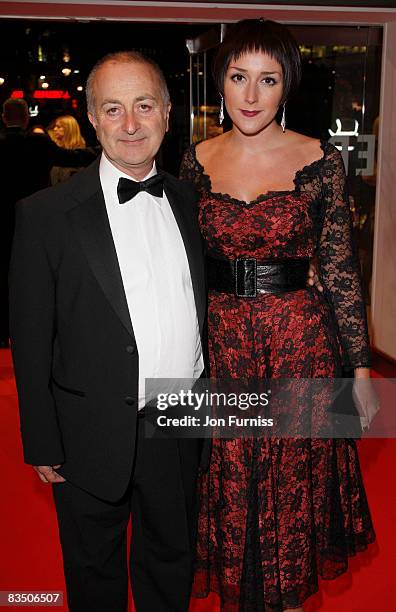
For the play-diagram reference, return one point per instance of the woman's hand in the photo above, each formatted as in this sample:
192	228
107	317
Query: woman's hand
365	397
313	278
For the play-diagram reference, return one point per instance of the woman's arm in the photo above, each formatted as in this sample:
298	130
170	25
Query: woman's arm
339	267
340	274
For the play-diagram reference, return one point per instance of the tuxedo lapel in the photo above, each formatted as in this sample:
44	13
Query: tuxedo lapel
182	211
91	224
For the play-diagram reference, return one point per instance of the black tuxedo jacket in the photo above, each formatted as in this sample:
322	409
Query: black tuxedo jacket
75	355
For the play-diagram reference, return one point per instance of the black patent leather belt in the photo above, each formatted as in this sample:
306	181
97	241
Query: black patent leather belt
247	277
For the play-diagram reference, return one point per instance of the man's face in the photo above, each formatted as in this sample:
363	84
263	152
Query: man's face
131	117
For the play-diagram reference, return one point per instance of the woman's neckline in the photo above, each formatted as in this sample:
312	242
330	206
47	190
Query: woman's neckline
268	194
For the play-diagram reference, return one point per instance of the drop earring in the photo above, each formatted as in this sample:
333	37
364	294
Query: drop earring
283	120
221	111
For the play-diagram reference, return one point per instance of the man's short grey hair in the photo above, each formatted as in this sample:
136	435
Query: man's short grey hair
124	57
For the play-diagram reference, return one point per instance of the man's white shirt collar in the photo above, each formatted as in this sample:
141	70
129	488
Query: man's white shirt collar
110	175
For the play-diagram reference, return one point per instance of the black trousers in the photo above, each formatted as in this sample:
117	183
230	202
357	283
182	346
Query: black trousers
162	500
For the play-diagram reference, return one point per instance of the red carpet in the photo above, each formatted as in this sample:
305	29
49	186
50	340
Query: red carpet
30	552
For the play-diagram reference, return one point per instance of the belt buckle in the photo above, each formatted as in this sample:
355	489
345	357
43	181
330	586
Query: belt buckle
246	277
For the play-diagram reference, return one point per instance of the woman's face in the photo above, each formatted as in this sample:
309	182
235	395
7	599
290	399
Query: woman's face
253	88
59	131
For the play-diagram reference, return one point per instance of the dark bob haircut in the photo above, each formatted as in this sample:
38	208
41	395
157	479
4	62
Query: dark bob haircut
270	37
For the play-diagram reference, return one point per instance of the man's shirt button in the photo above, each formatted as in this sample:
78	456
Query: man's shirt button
130	349
129	400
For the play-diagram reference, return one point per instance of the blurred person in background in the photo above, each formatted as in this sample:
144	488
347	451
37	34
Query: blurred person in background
65	132
26	159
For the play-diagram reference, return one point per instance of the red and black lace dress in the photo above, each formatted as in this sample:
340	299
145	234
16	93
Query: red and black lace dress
277	513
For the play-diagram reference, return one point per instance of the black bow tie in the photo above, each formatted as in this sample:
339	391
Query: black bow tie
127	189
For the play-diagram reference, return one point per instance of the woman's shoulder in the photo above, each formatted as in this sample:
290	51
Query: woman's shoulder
304	146
206	149
314	151
192	168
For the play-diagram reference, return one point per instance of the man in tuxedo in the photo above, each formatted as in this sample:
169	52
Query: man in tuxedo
25	163
107	289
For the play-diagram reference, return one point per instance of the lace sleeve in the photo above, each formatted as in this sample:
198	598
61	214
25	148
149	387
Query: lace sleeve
339	264
191	170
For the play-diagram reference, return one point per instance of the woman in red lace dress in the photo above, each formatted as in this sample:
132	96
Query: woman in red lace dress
276	513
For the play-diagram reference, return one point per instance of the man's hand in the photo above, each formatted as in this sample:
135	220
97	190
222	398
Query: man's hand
313	278
47	473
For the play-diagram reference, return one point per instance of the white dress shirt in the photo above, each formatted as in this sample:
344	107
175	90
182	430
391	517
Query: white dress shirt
157	282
